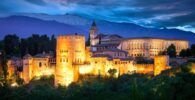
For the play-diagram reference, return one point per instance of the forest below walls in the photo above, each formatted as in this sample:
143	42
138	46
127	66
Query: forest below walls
173	84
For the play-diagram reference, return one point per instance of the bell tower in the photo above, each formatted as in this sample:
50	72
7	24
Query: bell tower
93	33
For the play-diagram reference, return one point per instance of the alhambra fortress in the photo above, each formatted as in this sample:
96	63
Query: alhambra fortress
106	51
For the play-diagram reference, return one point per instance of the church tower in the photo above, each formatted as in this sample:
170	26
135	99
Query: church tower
93	33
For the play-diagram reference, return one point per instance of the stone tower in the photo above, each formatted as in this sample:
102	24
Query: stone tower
27	68
160	63
70	51
93	33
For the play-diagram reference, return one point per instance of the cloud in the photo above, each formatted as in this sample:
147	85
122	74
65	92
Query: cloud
37	2
149	13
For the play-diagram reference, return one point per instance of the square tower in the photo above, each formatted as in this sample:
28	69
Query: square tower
70	51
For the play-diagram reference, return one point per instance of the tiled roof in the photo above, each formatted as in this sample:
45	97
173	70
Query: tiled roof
153	38
103	45
100	36
113	36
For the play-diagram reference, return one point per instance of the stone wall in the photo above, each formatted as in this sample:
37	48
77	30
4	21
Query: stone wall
70	50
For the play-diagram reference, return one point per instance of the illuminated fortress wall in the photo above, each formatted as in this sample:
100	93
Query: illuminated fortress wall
101	66
144	68
74	59
161	63
13	65
41	67
34	67
10	69
27	68
70	51
150	47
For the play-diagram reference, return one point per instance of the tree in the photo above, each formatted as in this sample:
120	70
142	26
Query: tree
4	66
24	47
88	41
171	51
53	43
188	52
12	45
112	72
136	95
182	53
193	50
185	53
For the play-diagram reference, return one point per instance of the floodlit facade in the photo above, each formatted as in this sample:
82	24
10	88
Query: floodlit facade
150	47
70	51
105	52
74	59
37	66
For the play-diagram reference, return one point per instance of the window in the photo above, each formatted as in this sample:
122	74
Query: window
40	64
116	62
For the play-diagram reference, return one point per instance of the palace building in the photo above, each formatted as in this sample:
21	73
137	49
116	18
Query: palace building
150	47
74	58
136	47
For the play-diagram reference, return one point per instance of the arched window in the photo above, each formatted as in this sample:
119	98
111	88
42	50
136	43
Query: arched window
40	64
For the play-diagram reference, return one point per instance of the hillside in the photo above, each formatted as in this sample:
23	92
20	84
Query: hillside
26	25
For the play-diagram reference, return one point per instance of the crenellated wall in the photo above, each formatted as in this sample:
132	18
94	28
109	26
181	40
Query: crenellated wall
36	67
144	68
74	59
27	69
70	50
161	63
101	65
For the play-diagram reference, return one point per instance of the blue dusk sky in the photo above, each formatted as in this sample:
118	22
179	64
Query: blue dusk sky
178	14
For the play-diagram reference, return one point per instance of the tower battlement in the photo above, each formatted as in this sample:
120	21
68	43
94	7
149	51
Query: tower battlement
70	50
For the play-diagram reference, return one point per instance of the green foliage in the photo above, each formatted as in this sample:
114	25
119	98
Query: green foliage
4	66
171	51
185	53
193	50
165	86
11	45
88	41
182	53
112	72
14	46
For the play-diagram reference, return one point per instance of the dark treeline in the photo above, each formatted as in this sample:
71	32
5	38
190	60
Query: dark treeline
12	45
171	51
188	52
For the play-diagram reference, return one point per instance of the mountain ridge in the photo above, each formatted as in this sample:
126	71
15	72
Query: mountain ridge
24	26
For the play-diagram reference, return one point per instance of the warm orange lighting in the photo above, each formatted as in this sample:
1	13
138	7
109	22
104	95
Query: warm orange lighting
74	59
193	68
14	84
